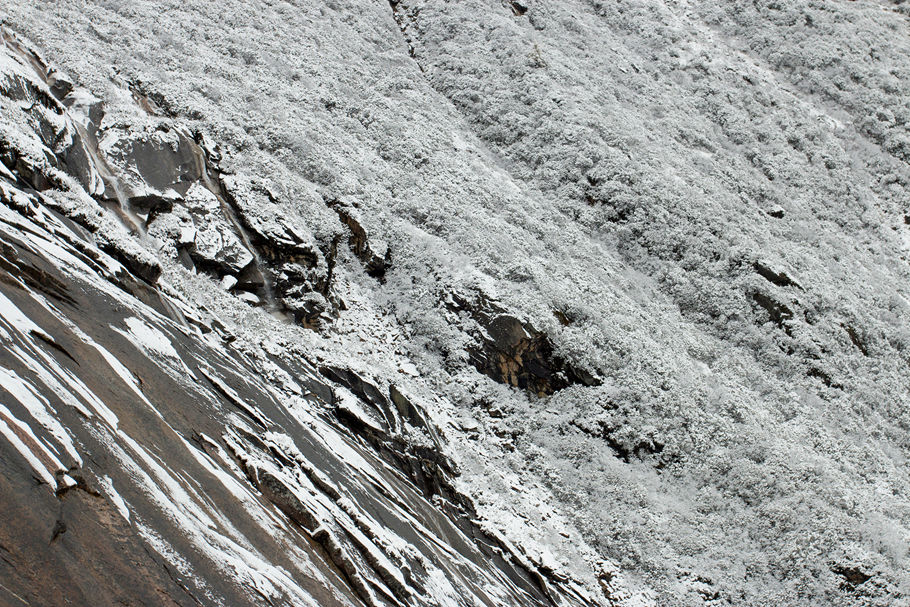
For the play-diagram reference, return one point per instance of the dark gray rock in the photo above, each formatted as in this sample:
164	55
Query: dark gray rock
512	352
374	254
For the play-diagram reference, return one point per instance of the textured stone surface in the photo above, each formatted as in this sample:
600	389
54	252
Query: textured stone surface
648	288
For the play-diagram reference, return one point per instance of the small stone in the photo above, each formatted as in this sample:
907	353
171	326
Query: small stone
228	282
187	235
250	298
408	369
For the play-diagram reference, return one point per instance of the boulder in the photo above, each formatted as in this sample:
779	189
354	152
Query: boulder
216	245
513	352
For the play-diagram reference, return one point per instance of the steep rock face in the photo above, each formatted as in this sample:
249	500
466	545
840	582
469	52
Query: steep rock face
151	457
155	167
113	382
691	217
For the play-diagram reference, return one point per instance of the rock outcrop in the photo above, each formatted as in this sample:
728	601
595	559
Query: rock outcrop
151	457
376	256
514	353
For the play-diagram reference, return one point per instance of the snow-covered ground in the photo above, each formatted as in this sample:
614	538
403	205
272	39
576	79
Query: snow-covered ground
694	216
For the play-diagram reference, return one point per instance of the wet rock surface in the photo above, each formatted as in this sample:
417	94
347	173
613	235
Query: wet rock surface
700	204
147	460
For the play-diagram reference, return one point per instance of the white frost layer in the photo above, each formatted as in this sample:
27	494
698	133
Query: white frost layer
156	345
108	485
38	457
39	409
222	545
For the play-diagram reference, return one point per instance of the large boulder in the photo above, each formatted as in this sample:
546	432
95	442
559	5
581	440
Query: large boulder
216	245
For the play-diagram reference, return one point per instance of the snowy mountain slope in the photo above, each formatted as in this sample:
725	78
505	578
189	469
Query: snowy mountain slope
153	456
644	264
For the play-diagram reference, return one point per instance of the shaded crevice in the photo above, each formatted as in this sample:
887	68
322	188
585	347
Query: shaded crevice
433	473
856	339
779	313
781	279
624	451
513	352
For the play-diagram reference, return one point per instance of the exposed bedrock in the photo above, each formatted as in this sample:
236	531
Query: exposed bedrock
326	466
161	178
513	352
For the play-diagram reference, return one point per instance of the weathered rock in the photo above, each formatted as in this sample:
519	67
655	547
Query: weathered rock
216	245
366	391
513	352
374	254
309	308
518	357
155	165
300	267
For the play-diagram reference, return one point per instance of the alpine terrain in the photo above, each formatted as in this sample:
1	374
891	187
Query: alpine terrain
481	303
